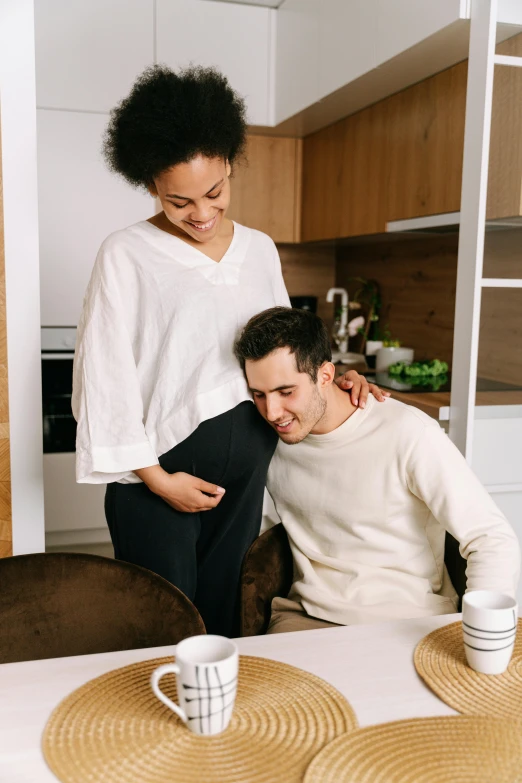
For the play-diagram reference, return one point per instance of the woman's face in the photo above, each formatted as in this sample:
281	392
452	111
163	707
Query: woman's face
195	196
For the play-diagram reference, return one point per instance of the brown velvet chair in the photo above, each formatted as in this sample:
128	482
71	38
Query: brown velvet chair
268	570
61	604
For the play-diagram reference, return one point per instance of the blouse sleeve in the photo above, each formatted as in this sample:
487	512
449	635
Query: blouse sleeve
106	401
280	293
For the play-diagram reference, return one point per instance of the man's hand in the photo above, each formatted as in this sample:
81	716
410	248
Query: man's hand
359	388
181	490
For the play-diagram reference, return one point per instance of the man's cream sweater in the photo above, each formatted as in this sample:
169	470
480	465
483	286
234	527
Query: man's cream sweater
366	508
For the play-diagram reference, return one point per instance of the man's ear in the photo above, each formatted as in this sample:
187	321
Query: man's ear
326	374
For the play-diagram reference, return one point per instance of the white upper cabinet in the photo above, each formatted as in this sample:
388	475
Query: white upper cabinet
80	203
403	23
346	42
297	57
88	53
326	46
234	38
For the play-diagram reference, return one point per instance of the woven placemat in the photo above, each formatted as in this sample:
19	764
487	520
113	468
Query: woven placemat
114	730
441	662
460	749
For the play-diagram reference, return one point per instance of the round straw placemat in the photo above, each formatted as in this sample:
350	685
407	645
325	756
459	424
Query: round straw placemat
460	749
114	730
441	662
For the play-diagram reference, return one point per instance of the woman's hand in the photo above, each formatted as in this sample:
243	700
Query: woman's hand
359	388
181	490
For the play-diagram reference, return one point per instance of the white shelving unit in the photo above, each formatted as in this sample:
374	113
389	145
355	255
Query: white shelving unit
482	60
488	436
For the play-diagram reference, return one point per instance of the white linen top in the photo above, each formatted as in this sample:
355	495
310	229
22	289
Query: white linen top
154	355
366	508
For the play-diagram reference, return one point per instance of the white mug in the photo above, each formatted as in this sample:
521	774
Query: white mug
489	627
206	676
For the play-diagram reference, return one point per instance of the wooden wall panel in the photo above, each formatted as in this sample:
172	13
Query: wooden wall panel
500	346
418	281
6	537
309	270
266	187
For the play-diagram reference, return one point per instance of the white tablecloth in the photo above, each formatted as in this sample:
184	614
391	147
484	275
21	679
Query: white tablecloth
372	665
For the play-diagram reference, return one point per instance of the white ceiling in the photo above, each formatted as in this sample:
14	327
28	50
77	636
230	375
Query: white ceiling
266	3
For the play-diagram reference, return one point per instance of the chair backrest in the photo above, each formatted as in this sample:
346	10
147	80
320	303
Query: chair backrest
61	604
268	572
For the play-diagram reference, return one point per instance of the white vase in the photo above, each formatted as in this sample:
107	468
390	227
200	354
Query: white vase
388	356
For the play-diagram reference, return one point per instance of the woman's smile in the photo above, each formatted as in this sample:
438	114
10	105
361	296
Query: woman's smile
203	226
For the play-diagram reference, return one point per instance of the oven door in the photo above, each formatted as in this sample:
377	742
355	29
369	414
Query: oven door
59	426
74	513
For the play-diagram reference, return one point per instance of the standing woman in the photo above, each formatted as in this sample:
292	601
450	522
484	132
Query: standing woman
164	414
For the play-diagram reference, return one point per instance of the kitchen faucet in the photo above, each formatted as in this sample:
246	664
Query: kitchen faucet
341	333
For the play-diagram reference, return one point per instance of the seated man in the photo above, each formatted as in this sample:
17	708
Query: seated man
365	495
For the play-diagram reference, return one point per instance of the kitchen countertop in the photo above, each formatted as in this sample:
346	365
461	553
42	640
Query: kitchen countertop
436	404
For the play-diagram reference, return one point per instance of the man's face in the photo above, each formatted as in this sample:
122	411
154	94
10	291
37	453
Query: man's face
289	400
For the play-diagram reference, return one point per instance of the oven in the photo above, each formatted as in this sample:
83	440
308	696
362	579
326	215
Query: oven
74	515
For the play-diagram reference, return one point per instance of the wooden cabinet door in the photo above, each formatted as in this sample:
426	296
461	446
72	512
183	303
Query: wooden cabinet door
400	158
425	139
266	187
345	177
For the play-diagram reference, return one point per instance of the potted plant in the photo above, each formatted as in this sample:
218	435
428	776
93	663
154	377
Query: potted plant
368	295
391	352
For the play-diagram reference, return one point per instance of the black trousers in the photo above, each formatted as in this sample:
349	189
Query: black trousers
200	553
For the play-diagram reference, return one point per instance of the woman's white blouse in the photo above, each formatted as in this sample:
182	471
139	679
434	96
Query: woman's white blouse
154	355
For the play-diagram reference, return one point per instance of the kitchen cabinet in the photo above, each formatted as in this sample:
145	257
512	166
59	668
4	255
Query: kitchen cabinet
346	42
266	187
402	24
297	57
323	47
80	202
234	38
344	176
402	157
424	146
88	54
505	162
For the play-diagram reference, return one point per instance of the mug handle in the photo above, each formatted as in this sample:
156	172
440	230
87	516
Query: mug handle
156	676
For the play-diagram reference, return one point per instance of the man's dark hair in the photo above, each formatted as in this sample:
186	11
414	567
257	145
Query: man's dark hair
283	327
169	118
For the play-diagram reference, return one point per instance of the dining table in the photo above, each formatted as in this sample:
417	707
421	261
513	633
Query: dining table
371	665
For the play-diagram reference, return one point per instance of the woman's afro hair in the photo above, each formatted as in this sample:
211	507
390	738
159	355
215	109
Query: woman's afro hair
169	118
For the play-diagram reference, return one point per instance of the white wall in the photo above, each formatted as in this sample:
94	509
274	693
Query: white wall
18	124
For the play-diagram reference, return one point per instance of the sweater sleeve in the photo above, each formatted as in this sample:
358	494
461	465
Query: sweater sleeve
111	440
438	474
